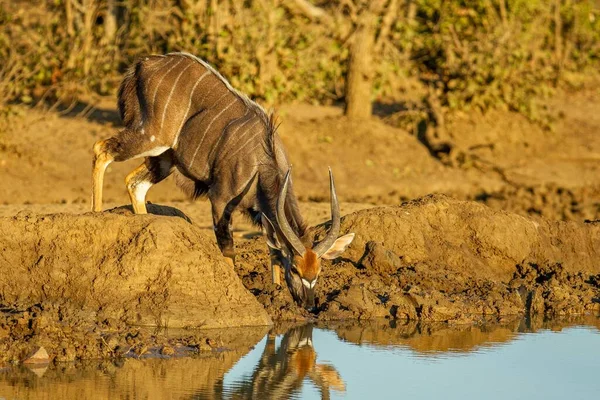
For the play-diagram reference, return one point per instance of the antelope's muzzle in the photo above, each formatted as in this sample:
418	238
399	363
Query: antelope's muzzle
309	299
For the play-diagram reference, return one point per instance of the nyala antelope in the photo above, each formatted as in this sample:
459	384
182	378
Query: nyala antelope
182	116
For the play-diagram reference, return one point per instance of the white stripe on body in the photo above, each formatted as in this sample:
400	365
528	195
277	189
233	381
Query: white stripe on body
209	67
230	155
161	79
188	108
208	127
214	147
162	121
201	101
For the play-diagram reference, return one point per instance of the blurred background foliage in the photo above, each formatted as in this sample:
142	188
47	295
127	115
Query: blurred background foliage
465	54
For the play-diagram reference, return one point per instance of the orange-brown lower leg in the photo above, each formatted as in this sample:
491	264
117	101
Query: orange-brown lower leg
275	267
276	274
138	182
101	161
141	179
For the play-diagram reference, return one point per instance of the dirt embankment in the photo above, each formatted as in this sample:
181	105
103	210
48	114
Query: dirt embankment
145	270
75	284
439	259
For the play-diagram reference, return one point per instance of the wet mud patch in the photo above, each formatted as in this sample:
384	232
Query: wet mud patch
68	334
440	259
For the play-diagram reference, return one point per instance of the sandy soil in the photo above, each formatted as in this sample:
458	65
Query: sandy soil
45	158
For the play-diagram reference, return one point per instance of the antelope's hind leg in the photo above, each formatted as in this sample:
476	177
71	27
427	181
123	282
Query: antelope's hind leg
140	180
102	158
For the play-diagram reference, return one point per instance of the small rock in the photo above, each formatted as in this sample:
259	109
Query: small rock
167	351
39	356
379	259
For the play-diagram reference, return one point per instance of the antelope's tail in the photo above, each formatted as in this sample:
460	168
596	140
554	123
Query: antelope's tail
192	188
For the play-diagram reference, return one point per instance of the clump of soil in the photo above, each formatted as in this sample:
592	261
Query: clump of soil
439	259
145	269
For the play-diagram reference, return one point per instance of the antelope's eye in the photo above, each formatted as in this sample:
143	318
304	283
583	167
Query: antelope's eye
295	270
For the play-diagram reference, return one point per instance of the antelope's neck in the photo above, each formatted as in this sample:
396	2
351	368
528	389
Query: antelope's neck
268	192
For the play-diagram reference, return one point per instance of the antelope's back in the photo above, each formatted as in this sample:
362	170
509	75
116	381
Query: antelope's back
180	102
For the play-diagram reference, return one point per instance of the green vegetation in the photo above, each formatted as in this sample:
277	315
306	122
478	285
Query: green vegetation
468	54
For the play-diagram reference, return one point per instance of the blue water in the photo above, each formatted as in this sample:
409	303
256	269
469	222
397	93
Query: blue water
541	365
369	361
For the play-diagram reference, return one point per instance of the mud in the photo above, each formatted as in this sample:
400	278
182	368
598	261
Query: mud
440	259
70	334
77	284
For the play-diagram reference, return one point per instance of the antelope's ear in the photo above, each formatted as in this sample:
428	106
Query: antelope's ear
271	236
338	247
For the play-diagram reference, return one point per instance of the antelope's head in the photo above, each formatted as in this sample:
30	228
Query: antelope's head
302	264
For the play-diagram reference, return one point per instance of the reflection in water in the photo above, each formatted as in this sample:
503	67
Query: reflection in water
362	360
427	338
281	371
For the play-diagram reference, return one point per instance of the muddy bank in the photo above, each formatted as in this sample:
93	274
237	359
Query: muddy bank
153	378
67	333
143	270
440	259
76	284
549	201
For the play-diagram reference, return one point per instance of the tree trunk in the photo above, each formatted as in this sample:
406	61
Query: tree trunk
110	22
267	61
558	41
360	74
88	35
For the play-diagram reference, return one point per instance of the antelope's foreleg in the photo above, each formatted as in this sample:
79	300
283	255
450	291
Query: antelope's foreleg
141	179
223	229
102	158
275	266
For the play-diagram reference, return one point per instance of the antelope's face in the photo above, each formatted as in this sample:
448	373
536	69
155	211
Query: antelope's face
302	265
302	278
303	272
